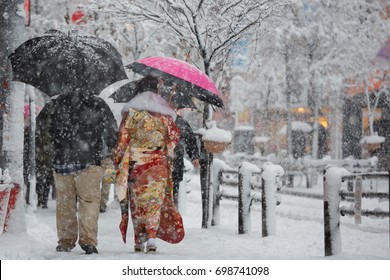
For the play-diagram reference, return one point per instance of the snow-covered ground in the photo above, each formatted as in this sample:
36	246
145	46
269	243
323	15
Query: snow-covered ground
299	236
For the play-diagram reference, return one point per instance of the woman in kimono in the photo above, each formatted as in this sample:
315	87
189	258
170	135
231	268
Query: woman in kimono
147	138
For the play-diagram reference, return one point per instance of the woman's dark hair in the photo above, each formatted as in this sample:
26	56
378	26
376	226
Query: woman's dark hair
148	83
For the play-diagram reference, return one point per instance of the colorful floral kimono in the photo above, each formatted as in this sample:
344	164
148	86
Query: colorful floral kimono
143	160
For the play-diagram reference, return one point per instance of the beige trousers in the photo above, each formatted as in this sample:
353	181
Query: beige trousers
105	192
107	180
83	188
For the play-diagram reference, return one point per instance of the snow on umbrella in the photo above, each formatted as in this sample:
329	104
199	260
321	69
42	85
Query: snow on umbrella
129	90
187	77
59	63
383	56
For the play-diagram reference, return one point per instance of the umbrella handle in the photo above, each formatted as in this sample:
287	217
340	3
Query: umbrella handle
160	85
172	93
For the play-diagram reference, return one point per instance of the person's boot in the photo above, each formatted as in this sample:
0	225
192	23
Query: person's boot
60	248
89	249
43	203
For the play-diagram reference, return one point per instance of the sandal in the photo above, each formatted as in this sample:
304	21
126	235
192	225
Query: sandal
151	249
138	248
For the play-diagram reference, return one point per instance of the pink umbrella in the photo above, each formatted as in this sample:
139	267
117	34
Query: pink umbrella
187	77
383	56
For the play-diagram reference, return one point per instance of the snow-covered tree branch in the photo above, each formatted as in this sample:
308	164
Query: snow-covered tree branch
207	27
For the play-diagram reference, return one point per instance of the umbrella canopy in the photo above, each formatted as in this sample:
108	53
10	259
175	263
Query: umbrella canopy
187	77
383	56
59	63
128	91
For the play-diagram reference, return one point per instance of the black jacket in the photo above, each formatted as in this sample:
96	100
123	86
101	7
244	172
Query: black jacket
82	128
43	140
187	143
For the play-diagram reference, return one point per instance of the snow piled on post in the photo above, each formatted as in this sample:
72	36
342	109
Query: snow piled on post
217	166
332	184
269	174
215	134
245	176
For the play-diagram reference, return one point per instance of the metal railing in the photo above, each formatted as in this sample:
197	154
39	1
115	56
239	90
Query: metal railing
334	194
269	176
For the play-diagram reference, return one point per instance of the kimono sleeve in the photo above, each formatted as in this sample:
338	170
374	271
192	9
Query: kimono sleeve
173	137
122	158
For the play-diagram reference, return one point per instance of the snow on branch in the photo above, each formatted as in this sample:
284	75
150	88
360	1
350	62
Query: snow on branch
208	26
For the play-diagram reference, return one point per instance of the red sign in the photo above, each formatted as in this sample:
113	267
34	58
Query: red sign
27	11
78	17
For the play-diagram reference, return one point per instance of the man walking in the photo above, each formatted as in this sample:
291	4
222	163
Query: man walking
82	126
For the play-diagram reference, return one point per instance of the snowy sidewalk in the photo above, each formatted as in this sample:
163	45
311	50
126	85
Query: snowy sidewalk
299	236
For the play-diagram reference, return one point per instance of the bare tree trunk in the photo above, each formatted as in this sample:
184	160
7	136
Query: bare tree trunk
289	125
288	103
336	123
316	108
315	129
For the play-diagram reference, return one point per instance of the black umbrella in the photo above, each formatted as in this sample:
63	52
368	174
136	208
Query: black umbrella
58	63
129	90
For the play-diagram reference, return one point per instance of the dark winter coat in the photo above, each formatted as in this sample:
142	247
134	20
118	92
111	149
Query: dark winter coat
82	128
44	154
43	140
187	143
